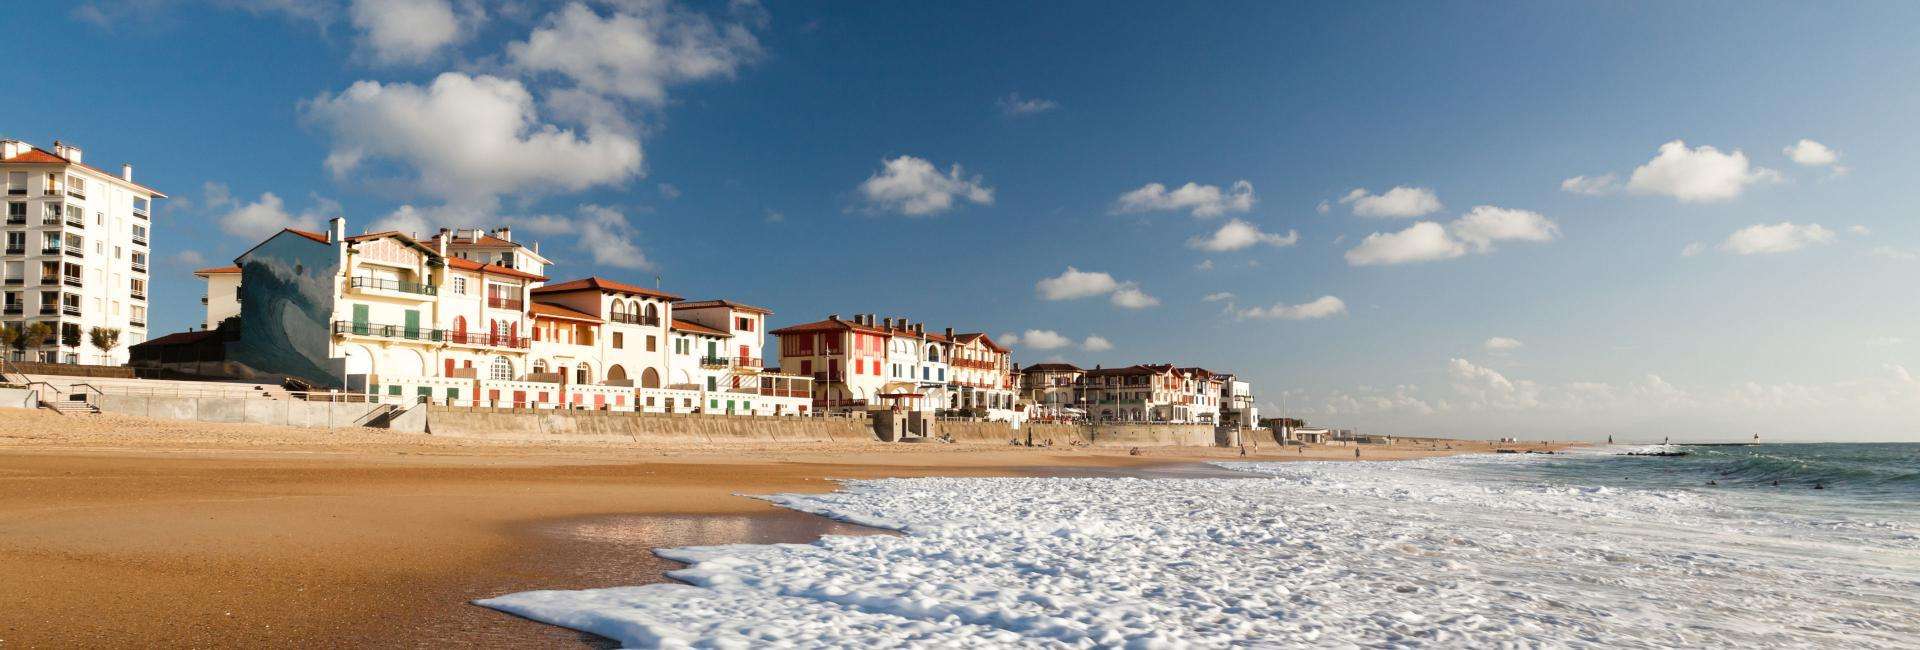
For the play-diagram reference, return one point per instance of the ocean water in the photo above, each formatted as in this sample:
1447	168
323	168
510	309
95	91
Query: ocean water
1589	549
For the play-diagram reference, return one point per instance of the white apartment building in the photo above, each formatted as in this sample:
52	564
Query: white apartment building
77	249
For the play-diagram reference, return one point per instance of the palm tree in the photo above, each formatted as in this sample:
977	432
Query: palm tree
36	336
104	339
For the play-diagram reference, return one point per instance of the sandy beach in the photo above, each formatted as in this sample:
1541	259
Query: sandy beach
120	530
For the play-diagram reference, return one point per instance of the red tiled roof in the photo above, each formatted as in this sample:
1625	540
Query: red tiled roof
1052	367
38	156
177	338
970	336
696	328
216	270
827	325
560	311
309	234
485	240
602	284
1135	369
492	269
696	304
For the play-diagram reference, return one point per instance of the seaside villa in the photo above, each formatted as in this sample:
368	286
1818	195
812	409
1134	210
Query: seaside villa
468	318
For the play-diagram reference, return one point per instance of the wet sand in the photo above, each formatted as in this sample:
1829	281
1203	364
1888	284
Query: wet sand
127	531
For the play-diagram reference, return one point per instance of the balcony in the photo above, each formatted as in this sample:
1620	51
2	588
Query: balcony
137	323
16	281
16	220
140	295
76	193
748	363
715	362
140	212
489	340
70	310
77	220
635	319
398	286
74	251
973	363
498	302
48	310
388	331
71	281
49	250
140	240
139	267
16	250
48	280
13	310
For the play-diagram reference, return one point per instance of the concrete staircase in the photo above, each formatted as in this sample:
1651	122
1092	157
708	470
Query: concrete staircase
71	407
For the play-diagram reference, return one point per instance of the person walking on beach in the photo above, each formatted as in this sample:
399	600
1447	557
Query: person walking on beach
1356	452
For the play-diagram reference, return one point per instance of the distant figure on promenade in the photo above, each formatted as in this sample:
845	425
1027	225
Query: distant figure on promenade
1356	452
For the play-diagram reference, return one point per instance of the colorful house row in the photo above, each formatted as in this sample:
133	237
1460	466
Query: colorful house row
469	317
869	362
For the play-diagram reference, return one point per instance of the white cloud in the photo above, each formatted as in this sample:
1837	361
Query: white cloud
189	258
1591	185
635	52
1502	344
1096	343
406	219
1199	200
1892	253
608	237
1812	154
1130	296
1781	237
1475	232
412	31
1692	249
1217	297
1425	241
1486	224
913	187
1399	202
1322	307
469	139
1008	338
1075	284
775	216
1042	340
1236	234
1697	175
1858	230
1204	265
261	219
1486	388
1014	105
1323	208
669	192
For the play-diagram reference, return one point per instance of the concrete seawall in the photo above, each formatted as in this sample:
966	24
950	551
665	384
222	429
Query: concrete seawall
228	409
603	426
1097	435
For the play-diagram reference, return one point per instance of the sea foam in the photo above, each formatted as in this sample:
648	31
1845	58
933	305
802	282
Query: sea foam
1422	553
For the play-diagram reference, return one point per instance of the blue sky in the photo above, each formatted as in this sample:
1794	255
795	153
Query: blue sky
809	149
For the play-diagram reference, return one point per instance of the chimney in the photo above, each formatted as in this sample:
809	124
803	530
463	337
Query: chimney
920	328
69	152
949	333
505	232
441	242
11	148
475	235
833	317
889	322
336	230
126	172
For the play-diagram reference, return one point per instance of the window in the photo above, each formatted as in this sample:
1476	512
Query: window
619	341
539	366
745	324
49	213
460	285
650	343
500	369
138	315
16	183
16	213
16	243
582	374
50	242
713	384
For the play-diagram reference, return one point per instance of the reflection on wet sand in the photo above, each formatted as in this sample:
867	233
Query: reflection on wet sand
606	551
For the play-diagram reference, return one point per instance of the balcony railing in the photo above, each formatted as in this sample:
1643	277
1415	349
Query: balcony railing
140	212
140	240
13	310
636	319
76	193
141	295
48	309
139	267
16	220
70	310
16	281
50	220
74	251
16	250
49	250
748	362
498	302
70	281
384	330
973	363
715	362
137	323
49	280
77	220
401	286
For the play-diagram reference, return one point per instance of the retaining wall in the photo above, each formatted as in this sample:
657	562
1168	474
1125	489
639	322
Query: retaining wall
996	432
639	427
18	398
1122	435
228	409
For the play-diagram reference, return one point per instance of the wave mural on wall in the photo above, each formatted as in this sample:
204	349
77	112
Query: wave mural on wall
286	305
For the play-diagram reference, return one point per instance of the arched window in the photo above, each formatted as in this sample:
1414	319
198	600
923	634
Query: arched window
933	353
460	328
650	378
619	310
582	374
616	373
539	365
653	313
500	369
